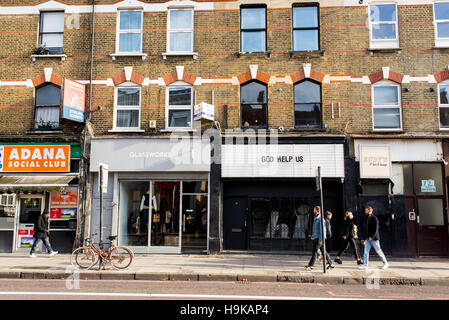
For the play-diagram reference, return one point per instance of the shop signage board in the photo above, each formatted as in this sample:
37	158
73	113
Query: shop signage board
375	162
67	198
35	158
284	161
428	186
74	100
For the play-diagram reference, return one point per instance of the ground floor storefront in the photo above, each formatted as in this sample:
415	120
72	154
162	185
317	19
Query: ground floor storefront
38	177
154	203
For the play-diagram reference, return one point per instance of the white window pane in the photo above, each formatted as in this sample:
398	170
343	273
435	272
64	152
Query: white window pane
181	19
387	118
443	29
130	20
444	117
52	22
47	116
179	118
384	31
128	96
130	42
384	12
442	11
253	18
305	17
127	118
180	96
52	40
253	41
305	40
386	96
181	41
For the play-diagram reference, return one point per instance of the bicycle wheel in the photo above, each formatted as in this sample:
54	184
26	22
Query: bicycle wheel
85	257
121	257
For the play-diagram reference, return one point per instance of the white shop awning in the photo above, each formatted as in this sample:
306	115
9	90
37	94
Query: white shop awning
34	182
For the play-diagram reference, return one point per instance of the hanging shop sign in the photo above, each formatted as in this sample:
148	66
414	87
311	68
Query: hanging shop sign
32	158
203	111
375	162
74	100
275	160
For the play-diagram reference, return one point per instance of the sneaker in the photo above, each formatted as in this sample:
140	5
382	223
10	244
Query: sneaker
338	261
363	267
385	266
308	268
359	262
32	255
331	266
53	253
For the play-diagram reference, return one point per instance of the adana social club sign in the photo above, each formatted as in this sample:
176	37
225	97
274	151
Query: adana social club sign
74	100
33	158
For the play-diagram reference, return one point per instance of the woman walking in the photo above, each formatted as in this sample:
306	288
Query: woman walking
350	237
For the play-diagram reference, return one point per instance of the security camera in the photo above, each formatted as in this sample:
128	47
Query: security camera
281	129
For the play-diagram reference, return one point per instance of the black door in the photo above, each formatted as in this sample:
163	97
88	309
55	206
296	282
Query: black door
235	223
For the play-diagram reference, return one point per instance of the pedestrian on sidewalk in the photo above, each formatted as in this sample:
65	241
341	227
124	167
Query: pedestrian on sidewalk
350	238
318	241
328	216
41	232
372	239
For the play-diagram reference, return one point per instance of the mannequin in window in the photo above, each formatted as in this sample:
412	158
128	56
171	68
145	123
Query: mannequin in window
143	213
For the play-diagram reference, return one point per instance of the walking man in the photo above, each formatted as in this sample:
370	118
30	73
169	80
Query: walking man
318	241
372	239
41	231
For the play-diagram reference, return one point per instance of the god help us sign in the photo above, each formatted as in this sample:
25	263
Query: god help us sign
74	100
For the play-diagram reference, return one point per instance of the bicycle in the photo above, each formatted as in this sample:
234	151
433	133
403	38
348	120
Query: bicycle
87	256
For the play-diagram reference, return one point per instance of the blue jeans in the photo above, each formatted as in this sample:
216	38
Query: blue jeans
46	242
376	245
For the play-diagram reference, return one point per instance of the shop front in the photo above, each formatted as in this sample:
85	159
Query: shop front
270	191
403	180
158	193
34	178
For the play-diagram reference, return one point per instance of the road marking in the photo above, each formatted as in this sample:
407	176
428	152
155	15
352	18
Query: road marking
395	297
162	295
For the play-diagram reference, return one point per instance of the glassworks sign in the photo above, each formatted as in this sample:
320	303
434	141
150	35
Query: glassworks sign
33	158
375	162
283	161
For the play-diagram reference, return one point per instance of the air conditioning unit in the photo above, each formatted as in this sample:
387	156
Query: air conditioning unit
152	124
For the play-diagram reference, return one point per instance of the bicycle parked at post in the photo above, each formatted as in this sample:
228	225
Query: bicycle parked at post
89	255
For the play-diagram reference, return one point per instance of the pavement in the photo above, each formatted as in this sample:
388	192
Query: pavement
233	267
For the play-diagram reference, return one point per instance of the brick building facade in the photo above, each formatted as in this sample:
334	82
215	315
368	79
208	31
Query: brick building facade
358	74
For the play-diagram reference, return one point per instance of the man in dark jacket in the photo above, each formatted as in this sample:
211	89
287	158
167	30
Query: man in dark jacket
372	239
41	230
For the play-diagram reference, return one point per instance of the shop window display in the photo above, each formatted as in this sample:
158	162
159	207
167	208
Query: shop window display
133	213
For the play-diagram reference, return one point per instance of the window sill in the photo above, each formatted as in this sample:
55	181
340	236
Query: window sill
126	130
387	131
314	53
178	130
123	54
169	54
39	56
239	54
40	131
302	129
384	50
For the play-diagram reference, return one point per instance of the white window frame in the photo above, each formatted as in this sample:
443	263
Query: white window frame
128	31
386	83
190	30
128	85
43	12
440	105
439	42
178	85
383	43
